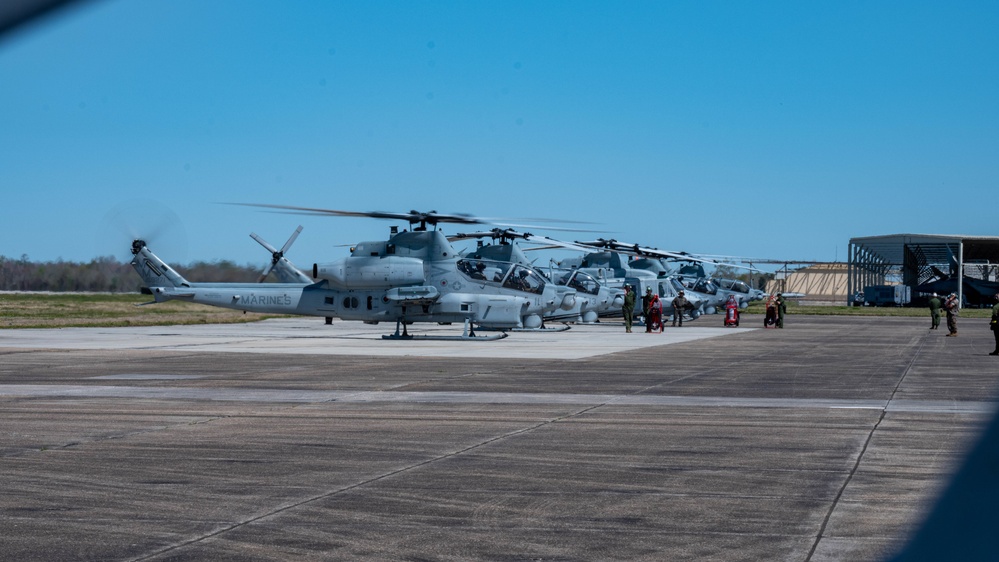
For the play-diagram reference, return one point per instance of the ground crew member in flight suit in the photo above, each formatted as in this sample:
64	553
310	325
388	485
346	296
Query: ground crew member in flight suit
935	304
679	305
781	305
629	307
994	323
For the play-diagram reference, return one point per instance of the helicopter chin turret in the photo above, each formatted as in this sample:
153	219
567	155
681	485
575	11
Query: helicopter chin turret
371	272
567	296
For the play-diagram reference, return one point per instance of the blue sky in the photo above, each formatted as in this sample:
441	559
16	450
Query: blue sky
769	129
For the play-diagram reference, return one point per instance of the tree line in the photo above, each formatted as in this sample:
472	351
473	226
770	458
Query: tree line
107	275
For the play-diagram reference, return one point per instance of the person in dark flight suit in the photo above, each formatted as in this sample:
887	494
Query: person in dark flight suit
935	305
629	307
994	323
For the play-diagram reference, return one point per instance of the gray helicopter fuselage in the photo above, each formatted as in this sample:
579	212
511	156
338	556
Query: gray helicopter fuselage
740	287
616	270
592	298
412	277
713	294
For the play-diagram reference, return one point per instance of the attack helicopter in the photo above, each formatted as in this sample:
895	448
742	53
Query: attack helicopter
605	260
716	291
690	278
414	276
593	298
737	286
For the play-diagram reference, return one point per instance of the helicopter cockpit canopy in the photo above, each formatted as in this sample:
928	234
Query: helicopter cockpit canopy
510	276
705	286
581	281
733	285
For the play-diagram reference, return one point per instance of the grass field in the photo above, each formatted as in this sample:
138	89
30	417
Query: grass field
64	310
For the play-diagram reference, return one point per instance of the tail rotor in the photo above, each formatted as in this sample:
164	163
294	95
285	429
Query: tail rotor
276	255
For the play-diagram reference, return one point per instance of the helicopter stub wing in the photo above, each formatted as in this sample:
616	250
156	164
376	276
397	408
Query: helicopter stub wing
422	294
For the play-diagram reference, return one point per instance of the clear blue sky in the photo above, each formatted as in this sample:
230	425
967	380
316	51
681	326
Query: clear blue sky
774	129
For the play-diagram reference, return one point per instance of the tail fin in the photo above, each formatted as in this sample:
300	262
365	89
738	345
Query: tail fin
154	272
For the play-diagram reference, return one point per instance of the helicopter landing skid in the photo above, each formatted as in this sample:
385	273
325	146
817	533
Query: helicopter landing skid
468	335
493	337
563	328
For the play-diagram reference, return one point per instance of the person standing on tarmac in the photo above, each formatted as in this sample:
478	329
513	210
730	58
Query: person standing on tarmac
655	319
950	305
994	323
679	305
781	305
935	304
629	307
646	302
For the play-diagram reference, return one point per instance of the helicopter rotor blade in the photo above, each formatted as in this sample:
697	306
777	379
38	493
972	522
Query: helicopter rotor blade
505	235
643	251
266	272
291	240
547	242
432	218
141	219
263	243
412	217
276	254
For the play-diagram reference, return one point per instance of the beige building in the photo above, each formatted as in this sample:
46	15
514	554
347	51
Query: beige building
818	283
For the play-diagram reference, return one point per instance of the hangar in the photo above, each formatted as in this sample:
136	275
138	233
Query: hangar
967	265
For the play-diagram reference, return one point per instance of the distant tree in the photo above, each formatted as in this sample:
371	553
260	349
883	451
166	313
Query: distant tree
756	279
106	274
725	271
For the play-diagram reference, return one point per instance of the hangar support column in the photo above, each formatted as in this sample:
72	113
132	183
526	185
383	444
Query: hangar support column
960	274
864	268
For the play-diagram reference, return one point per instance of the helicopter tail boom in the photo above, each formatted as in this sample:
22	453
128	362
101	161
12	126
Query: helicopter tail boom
154	271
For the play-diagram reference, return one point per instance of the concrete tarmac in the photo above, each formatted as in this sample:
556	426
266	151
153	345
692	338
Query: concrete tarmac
290	439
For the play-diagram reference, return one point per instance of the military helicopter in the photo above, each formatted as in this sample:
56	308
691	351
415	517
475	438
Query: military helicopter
716	291
737	286
606	261
593	298
690	278
414	276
